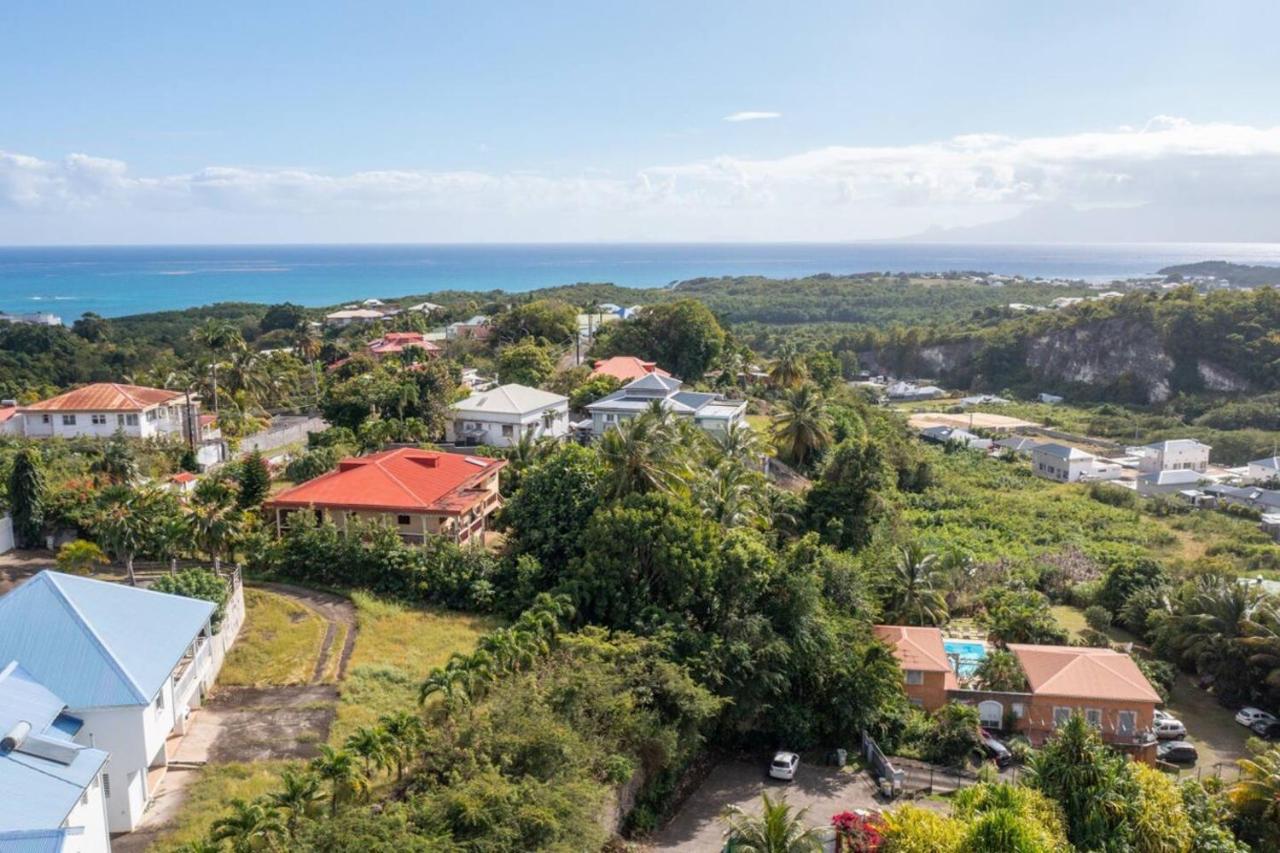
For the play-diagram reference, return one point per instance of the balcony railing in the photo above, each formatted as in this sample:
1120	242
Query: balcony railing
189	669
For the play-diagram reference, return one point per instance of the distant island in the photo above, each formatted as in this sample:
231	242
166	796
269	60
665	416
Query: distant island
1242	275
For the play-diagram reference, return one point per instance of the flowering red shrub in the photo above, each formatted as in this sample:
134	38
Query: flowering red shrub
857	833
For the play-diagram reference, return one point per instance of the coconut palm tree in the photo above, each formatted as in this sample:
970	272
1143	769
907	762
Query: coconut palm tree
405	733
170	534
123	525
338	769
214	518
1209	626
219	337
298	798
1257	793
740	443
789	369
251	826
777	829
801	426
369	744
915	588
729	496
642	455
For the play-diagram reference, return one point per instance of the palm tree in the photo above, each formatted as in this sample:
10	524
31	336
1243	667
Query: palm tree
405	733
251	826
915	596
218	336
170	534
802	427
338	768
1257	793
123	524
642	455
246	371
729	495
740	443
213	518
775	830
369	744
116	462
1208	630
299	798
789	369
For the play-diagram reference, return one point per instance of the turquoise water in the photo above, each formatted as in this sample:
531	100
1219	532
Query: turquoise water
966	654
115	281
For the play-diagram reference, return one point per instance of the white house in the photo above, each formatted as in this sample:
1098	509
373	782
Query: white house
38	318
10	423
910	391
51	794
1062	463
1168	481
105	408
711	412
1182	454
1051	399
500	416
476	327
348	316
130	665
1262	470
947	435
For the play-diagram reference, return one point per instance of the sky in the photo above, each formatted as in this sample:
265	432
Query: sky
657	121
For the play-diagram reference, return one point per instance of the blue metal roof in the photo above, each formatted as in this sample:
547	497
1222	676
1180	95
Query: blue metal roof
32	841
95	643
36	792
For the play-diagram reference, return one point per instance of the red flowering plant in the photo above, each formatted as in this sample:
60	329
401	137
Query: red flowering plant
857	833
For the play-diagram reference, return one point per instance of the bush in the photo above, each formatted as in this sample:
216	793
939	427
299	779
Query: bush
203	584
312	463
1097	617
955	735
1113	495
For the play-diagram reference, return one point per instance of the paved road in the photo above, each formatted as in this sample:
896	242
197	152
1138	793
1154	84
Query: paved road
824	791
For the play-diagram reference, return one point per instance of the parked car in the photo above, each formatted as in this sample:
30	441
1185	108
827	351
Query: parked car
1249	716
1169	729
784	766
995	749
1268	729
1178	751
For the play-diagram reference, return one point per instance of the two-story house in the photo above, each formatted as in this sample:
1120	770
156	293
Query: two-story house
419	492
129	663
105	408
1062	463
711	412
1181	454
50	786
499	416
926	671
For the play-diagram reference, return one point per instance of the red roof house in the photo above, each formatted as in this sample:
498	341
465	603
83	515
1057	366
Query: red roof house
398	342
626	368
420	492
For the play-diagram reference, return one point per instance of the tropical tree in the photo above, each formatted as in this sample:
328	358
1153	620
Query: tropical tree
740	443
171	533
1256	795
789	368
776	829
1000	671
1208	628
915	595
730	494
27	496
641	455
297	799
78	557
219	337
116	462
123	524
254	479
214	518
339	770
801	426
405	733
369	744
251	826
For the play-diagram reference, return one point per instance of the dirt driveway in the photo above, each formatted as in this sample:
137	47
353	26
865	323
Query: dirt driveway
1218	738
824	791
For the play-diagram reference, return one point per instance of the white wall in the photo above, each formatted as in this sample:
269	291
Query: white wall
121	733
490	426
90	819
6	534
169	421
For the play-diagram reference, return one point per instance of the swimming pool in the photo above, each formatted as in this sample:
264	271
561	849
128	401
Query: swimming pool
965	655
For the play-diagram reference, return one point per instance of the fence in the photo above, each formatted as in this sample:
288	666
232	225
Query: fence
285	429
6	534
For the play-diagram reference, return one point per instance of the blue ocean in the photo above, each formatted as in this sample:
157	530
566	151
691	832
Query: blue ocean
116	281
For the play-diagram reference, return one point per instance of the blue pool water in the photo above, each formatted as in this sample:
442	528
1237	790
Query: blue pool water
965	655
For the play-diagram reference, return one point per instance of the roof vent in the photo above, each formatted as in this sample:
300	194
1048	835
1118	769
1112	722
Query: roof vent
348	464
15	737
427	460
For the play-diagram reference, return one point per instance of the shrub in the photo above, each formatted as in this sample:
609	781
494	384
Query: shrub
1113	495
203	584
1097	617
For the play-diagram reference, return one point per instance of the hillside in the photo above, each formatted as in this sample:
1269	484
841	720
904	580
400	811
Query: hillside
1242	275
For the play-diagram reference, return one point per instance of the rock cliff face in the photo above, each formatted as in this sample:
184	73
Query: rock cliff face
1103	354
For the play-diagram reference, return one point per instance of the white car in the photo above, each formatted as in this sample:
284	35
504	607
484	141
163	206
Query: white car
1249	716
1170	729
784	766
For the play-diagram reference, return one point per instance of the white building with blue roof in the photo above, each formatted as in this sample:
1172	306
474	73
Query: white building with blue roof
51	798
130	663
711	412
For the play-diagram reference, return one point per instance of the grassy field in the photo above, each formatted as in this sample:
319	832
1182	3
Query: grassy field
1072	619
279	644
207	798
396	646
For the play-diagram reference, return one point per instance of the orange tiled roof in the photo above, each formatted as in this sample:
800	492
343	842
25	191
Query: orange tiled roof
400	341
183	477
918	648
7	412
404	480
1083	673
106	397
625	368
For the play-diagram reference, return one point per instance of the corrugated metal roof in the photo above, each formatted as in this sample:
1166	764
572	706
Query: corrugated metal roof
37	793
107	397
32	841
94	643
509	399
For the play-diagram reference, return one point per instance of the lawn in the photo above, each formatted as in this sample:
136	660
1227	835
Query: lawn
278	645
396	647
1072	619
208	796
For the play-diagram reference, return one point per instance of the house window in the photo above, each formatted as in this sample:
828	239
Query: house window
160	701
151	415
127	420
98	420
1019	710
1093	716
403	520
608	419
106	786
1060	716
44	419
915	676
1128	722
507	430
84	797
68	420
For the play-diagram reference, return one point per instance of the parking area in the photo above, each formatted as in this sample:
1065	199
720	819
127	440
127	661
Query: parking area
1218	738
824	791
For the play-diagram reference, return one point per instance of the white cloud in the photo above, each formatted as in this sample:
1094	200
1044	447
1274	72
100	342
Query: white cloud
751	115
835	192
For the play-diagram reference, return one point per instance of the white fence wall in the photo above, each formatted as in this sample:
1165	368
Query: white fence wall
6	534
288	431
